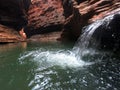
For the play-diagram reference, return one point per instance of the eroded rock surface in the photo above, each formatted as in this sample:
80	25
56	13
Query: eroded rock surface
44	16
86	12
9	35
13	16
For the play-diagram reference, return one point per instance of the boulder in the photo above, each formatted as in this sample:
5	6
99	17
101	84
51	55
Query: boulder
108	33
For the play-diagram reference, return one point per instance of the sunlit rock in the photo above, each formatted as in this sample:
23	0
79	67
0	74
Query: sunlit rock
9	35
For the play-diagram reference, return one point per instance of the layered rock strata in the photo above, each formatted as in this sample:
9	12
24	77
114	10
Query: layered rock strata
9	35
44	16
13	17
86	12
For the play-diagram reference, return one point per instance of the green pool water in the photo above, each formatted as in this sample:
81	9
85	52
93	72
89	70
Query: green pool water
54	66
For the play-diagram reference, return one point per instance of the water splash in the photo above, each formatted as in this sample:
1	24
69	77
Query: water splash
60	58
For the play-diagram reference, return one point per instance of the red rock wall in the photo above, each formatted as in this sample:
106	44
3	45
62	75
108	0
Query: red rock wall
86	12
9	35
43	14
13	16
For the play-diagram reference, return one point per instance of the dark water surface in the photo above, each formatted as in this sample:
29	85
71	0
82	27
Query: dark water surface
53	66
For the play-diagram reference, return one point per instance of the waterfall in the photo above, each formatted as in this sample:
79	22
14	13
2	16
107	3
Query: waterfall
84	40
91	36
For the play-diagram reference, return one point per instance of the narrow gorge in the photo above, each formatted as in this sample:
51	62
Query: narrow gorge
59	44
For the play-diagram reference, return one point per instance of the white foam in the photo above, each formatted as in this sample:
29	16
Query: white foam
61	58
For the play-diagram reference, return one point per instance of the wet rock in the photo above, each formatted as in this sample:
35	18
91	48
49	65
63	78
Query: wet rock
108	33
9	35
44	16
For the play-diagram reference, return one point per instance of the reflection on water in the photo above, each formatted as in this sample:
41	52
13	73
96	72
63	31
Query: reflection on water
11	46
53	66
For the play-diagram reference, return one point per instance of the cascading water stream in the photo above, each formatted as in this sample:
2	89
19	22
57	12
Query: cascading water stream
87	43
81	46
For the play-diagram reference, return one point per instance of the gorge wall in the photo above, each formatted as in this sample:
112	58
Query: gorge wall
12	18
85	12
13	13
67	17
44	16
